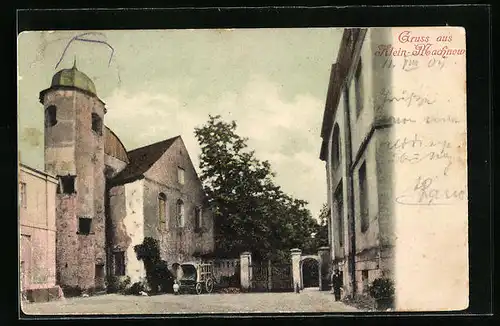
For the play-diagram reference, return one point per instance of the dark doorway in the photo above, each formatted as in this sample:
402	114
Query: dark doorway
310	273
99	277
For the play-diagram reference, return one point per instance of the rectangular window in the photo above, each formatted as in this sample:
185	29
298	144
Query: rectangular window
162	208
22	195
340	213
365	279
359	88
119	258
363	198
84	225
66	184
97	124
180	175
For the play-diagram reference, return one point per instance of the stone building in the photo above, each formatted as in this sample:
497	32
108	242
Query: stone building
108	199
359	180
158	195
37	223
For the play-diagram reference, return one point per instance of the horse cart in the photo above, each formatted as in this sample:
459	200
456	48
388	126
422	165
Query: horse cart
195	277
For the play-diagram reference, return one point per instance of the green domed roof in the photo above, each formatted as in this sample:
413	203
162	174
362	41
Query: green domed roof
75	78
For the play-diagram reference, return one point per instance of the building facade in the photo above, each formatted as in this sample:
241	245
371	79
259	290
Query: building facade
107	199
158	195
359	180
37	219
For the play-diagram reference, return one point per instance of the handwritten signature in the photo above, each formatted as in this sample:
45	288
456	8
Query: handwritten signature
408	97
426	193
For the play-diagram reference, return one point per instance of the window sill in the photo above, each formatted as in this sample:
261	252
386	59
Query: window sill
80	233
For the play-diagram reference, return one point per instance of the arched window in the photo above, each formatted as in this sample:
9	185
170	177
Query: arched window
51	116
198	218
162	208
336	155
180	213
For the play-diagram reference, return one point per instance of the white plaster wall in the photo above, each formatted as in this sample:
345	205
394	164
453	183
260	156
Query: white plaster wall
134	225
361	124
37	224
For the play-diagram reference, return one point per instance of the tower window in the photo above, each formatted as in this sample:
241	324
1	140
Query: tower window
66	184
84	224
97	124
51	116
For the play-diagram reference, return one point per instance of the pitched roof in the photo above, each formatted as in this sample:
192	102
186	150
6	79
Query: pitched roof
141	159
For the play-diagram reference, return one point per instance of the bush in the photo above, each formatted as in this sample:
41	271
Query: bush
118	284
381	288
158	276
137	288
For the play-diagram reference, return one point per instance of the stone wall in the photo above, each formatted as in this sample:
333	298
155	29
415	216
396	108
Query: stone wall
177	243
72	147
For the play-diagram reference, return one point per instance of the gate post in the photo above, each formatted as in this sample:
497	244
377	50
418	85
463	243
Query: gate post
245	273
324	266
296	254
269	276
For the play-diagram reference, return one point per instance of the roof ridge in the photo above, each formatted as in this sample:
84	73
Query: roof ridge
156	143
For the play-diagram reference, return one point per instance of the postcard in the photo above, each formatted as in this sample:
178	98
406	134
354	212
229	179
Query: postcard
222	171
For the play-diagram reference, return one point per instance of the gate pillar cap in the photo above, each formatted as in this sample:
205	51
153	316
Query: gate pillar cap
295	251
246	253
324	249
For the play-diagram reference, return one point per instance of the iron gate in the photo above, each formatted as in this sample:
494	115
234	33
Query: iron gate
268	277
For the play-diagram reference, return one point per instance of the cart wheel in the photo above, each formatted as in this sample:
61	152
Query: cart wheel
198	288
209	285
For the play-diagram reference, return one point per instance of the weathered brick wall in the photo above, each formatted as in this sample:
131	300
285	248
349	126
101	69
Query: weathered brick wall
67	245
98	196
178	243
72	147
60	139
119	236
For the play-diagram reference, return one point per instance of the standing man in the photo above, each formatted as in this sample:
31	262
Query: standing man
337	284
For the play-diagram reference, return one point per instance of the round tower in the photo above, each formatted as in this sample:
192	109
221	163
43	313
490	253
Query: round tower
74	151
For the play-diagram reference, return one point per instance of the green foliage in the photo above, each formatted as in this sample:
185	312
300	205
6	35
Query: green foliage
320	231
250	211
118	284
149	250
381	288
137	288
158	276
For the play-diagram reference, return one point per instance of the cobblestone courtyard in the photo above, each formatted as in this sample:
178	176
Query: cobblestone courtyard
310	300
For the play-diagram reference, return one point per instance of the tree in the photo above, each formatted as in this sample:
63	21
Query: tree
250	211
158	275
319	236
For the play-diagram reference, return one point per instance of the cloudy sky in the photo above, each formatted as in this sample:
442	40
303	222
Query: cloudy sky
160	84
